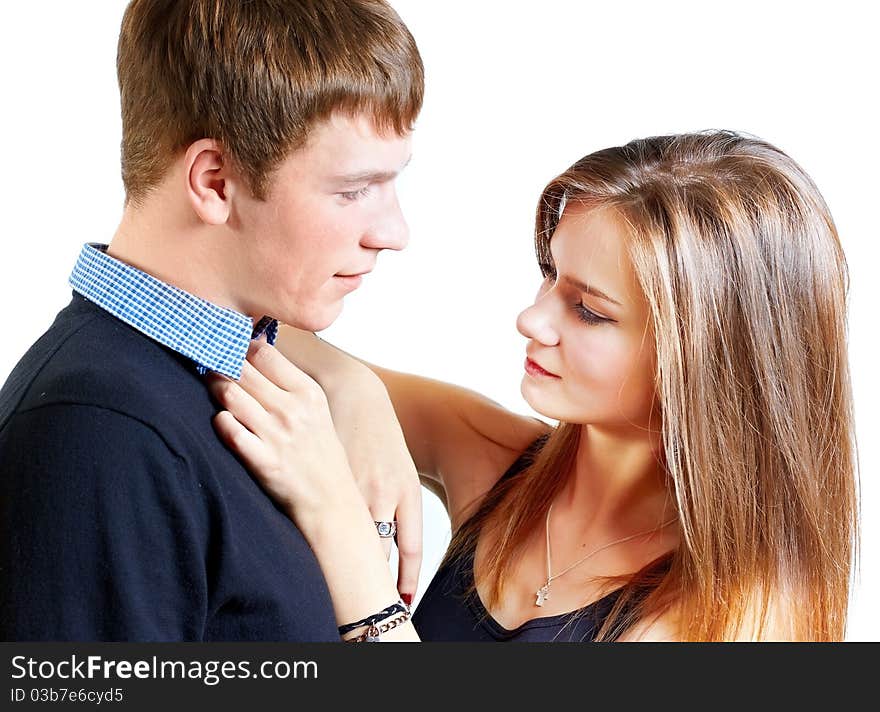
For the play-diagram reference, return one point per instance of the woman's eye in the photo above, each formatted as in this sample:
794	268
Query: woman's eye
587	316
356	194
583	313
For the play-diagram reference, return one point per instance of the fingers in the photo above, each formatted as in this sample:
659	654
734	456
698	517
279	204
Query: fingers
266	364
385	541
241	404
240	440
278	385
409	543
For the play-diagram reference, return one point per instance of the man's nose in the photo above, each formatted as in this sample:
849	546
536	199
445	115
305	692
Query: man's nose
390	230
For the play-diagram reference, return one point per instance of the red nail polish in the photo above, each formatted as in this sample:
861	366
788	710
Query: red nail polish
406	598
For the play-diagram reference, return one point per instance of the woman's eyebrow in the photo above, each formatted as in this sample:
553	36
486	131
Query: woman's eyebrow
577	284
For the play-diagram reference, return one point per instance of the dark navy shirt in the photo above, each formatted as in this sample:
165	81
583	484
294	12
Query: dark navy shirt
122	515
450	610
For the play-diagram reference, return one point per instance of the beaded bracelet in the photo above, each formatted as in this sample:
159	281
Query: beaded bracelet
399	607
374	631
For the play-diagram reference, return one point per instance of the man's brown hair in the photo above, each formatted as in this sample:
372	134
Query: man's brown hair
256	76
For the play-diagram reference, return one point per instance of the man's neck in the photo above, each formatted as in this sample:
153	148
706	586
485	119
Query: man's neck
175	247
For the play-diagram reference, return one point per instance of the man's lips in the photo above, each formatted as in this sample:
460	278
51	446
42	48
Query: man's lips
350	282
353	280
535	369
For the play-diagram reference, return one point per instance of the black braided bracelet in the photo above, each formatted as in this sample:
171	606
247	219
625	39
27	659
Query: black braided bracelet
375	631
399	607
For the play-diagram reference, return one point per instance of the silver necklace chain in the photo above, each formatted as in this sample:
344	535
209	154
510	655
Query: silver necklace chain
543	593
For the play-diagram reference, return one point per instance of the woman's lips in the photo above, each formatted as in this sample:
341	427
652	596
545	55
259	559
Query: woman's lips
534	370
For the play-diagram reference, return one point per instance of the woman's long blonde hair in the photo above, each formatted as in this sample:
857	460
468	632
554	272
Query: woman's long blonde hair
747	283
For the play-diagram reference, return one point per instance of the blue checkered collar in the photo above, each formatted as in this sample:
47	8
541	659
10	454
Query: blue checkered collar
215	338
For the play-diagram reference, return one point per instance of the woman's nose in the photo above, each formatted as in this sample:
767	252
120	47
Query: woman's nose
536	322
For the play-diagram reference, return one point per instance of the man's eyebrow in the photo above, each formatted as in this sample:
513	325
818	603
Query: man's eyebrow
371	176
577	284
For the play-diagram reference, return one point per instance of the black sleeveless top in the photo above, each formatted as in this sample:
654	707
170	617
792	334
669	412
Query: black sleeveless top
447	613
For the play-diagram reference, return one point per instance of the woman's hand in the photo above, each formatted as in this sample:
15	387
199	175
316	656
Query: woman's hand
367	426
278	422
384	471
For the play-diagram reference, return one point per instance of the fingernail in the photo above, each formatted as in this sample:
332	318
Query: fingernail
406	598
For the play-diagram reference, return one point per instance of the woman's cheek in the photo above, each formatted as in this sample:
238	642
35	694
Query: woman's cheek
637	382
618	369
599	363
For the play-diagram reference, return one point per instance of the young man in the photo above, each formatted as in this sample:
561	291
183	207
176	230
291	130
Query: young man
260	146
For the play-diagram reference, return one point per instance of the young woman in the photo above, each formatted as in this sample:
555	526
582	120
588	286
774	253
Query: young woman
689	337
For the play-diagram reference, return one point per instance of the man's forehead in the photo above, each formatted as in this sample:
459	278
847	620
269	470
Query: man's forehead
347	128
352	150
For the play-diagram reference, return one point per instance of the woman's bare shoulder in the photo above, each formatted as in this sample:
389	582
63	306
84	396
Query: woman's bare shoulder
758	623
662	628
475	470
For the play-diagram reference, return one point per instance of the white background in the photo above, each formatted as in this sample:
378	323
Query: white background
515	93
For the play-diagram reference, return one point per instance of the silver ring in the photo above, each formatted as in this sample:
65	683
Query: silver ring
386	529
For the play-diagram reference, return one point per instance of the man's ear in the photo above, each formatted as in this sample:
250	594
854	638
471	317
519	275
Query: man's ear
209	180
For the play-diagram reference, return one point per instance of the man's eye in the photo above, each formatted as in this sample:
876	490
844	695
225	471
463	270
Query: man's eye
356	194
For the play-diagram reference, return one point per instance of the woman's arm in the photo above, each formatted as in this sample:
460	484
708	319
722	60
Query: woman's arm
457	438
278	422
368	429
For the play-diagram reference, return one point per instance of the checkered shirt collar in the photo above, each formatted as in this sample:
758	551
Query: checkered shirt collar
215	338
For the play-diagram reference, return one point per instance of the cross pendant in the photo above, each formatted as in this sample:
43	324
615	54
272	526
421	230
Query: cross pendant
542	594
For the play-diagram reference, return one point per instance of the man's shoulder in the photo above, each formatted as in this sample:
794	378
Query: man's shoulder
89	358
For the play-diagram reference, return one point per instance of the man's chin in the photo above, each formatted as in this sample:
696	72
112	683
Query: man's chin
316	318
